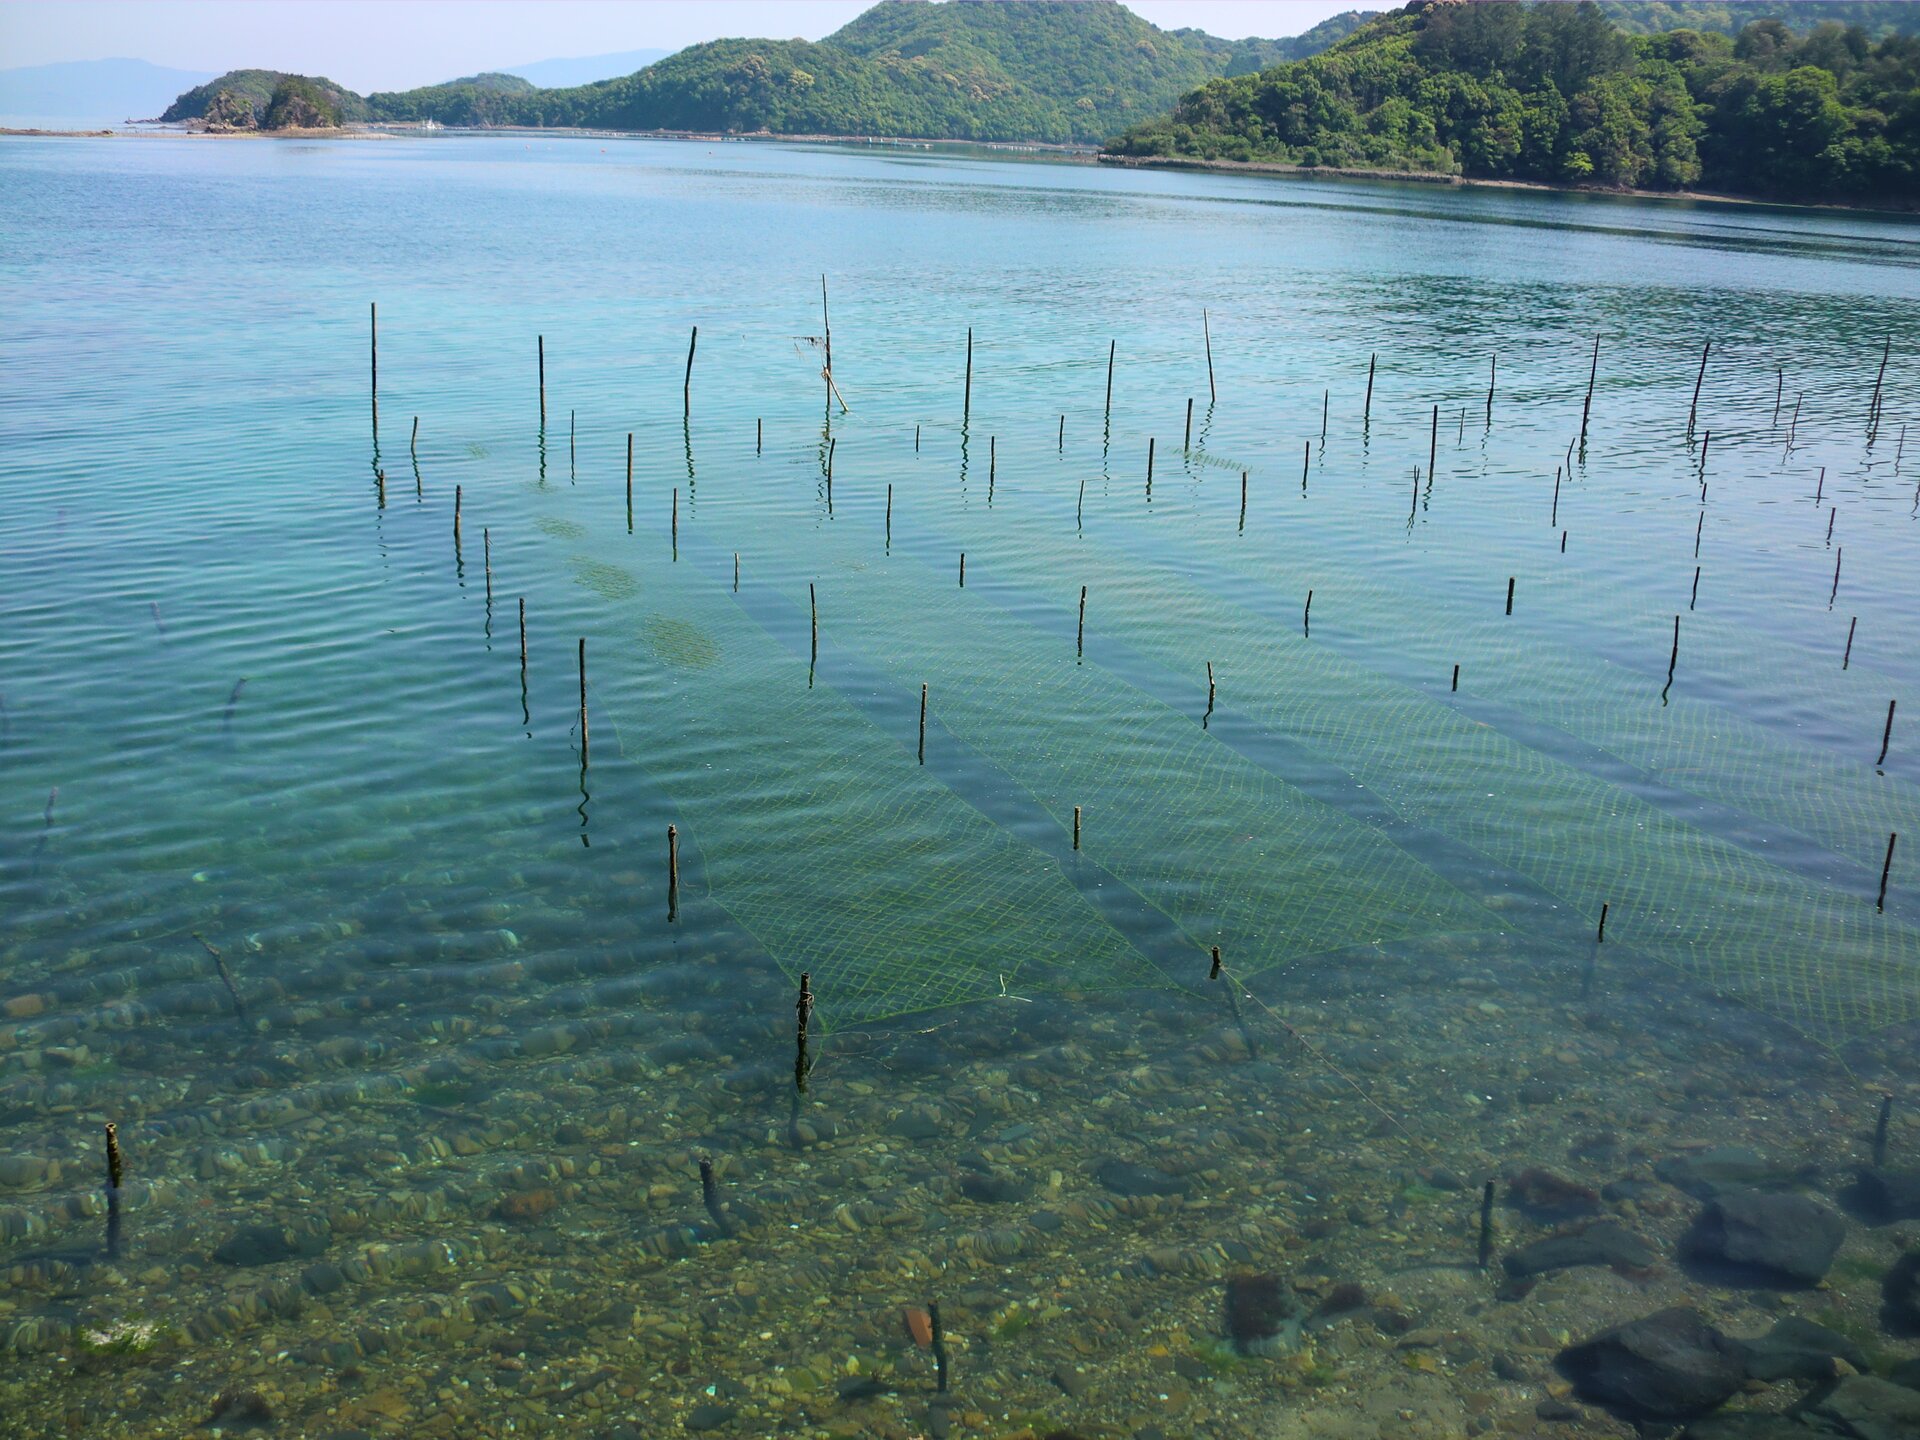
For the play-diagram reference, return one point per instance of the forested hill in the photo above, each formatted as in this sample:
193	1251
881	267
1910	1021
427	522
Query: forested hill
1557	93
1057	71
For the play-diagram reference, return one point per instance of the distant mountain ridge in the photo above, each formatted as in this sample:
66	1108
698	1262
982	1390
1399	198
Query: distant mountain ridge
92	91
1050	71
563	73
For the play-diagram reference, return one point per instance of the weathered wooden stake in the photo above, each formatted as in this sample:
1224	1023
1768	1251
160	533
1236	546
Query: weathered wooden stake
486	553
1325	397
1832	511
1306	457
1886	735
1366	408
1873	409
940	1360
673	874
456	520
1209	684
1587	409
916	439
923	722
993	459
1600	935
583	702
1110	348
1704	443
1186	442
736	572
966	402
1493	374
1834	593
1150	465
1847	658
1693	599
1076	827
1880	1131
373	356
1510	594
1080	504
1456	677
1563	542
1243	499
1793	425
1695	406
523	642
573	454
380	488
803	1016
813	612
1213	396
1673	660
963	569
1697	527
675	532
413	441
1306	615
1486	1225
1820	486
1554	522
1779	387
1080	631
543	380
1061	442
629	480
889	512
1886	869
686	388
1433	445
759	433
114	1177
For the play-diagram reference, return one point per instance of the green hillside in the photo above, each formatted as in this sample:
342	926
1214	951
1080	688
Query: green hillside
1879	18
1063	71
240	99
1556	93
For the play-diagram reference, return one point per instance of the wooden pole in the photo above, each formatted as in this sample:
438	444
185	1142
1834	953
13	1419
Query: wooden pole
1493	374
963	569
456	520
373	358
573	455
993	459
686	389
1873	409
413	441
1433	445
629	479
486	553
1149	465
966	402
1779	388
1325	396
803	1016
676	520
825	323
889	512
1695	596
1186	441
1213	396
543	380
1692	409
115	1174
1209	684
1592	373
1456	677
1080	631
1820	485
1366	410
1697	527
736	572
1705	442
813	612
1886	869
1847	658
916	439
1793	425
523	641
1243	499
583	702
939	1346
1509	594
923	723
759	434
1061	442
1110	349
1886	735
1306	616
1832	511
673	874
380	487
1554	521
1600	935
1076	827
1832	595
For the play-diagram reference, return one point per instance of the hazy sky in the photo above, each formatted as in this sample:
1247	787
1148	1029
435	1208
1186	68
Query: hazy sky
396	44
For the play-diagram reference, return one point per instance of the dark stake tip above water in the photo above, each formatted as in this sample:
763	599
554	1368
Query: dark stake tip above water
673	874
1694	407
941	1360
1886	734
115	1178
1886	870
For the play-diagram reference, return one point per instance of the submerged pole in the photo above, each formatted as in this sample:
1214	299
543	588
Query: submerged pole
114	1176
686	389
1213	396
1886	869
583	702
673	874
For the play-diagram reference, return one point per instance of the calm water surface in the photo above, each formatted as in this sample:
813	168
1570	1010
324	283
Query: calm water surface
425	1158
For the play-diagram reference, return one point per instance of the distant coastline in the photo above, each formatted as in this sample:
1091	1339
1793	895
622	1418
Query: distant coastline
1278	170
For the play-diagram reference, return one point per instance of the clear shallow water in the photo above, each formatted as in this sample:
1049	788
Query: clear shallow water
474	1042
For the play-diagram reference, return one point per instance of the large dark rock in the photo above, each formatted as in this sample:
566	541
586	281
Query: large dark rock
1125	1178
1767	1238
1900	1295
1605	1242
1864	1407
1797	1349
1263	1314
1890	1194
1706	1174
1746	1425
270	1244
1670	1365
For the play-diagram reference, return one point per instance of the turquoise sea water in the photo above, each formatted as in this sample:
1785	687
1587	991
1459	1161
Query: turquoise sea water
258	702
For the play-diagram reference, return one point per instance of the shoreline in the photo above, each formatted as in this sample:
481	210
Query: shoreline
1282	171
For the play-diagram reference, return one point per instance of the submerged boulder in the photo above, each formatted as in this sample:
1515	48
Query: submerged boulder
1670	1365
1797	1349
1776	1237
1605	1242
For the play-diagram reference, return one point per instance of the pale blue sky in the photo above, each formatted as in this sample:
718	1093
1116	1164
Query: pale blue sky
395	44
